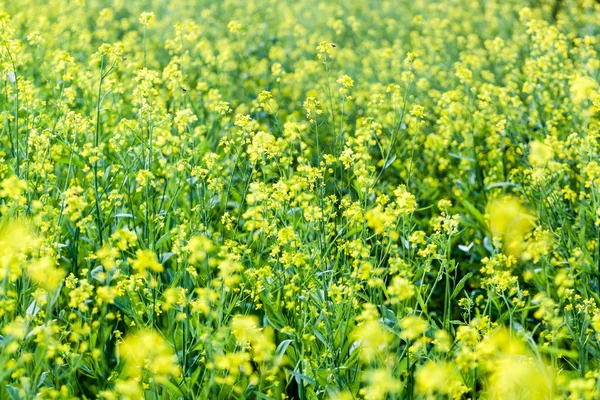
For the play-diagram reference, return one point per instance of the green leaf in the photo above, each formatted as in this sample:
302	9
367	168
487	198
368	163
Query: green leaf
389	162
280	350
301	377
422	303
475	213
460	285
13	392
163	239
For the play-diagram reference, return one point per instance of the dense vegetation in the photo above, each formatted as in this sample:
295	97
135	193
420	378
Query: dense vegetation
313	200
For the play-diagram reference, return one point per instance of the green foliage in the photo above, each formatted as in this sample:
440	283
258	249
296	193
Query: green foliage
311	200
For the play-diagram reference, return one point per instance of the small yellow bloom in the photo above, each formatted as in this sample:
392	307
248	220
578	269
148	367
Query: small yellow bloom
146	18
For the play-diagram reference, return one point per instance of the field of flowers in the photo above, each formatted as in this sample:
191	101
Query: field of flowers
261	199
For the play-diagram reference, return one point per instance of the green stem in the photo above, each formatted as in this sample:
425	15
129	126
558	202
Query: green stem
96	145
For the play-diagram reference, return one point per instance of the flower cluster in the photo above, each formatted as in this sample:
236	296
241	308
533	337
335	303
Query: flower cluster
299	200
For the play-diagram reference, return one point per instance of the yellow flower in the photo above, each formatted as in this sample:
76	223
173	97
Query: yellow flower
146	260
235	27
16	244
581	88
44	272
405	200
324	50
540	154
199	247
413	327
263	144
75	203
518	377
400	289
17	328
12	187
373	339
234	363
439	377
148	351
229	273
124	239
146	18
510	221
380	383
247	332
379	220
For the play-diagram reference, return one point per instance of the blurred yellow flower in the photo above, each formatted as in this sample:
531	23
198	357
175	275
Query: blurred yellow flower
148	351
441	378
582	88
518	377
509	221
145	260
45	273
540	154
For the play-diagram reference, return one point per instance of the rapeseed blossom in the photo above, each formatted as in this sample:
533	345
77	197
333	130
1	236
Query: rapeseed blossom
299	200
510	221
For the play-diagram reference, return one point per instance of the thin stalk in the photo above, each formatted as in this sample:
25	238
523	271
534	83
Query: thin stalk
96	145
